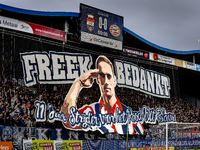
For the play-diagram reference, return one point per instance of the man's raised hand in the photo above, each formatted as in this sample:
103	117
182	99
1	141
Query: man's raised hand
87	79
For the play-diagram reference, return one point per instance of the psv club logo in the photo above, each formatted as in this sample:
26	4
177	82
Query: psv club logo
90	22
114	30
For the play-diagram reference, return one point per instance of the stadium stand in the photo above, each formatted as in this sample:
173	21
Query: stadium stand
17	101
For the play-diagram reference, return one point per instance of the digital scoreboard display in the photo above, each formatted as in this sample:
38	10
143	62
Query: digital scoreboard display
101	28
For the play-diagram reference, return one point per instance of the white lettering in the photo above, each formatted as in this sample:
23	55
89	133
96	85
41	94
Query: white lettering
58	70
143	83
72	71
29	68
150	82
43	68
119	71
127	75
159	89
166	85
4	147
41	134
150	78
135	75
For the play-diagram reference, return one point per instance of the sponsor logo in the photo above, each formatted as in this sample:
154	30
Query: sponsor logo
62	146
178	63
76	146
136	53
116	44
155	57
30	146
146	55
4	147
114	30
190	65
163	59
23	27
46	146
90	22
9	23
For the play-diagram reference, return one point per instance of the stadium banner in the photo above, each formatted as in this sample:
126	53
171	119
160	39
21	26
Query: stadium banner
63	67
96	121
135	53
31	28
6	145
108	114
101	28
162	59
52	144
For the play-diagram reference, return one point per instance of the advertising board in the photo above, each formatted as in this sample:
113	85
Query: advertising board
189	65
135	53
52	144
31	28
173	61
162	59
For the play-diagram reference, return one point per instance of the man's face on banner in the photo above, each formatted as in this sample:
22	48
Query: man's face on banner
106	79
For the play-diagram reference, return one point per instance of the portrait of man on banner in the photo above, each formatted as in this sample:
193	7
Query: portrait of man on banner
108	104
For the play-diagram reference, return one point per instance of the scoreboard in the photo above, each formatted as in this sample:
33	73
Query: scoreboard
101	28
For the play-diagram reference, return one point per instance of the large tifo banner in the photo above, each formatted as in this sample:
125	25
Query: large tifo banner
109	114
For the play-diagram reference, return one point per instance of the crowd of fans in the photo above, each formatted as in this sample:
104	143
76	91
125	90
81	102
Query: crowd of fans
17	102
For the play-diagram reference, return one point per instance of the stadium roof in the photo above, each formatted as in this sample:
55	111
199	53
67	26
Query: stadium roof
159	47
38	13
73	14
